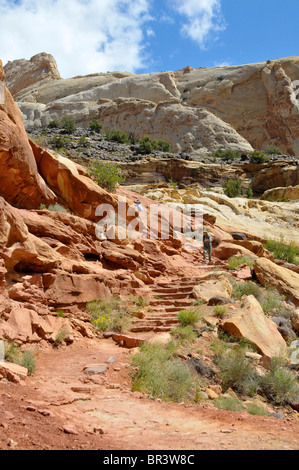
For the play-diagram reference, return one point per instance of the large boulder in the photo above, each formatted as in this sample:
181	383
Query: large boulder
284	280
250	322
21	183
216	284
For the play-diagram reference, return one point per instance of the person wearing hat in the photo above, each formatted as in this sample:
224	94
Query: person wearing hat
207	245
139	206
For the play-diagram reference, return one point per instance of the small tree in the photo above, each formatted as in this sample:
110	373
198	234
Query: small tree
106	174
68	124
95	126
259	157
232	188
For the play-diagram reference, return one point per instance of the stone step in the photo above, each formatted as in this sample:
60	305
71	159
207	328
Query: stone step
156	329
168	302
172	290
172	295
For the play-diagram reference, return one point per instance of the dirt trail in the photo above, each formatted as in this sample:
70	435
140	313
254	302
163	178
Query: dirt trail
61	407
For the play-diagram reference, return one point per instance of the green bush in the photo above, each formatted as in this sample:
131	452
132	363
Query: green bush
59	142
26	359
234	262
108	175
232	188
220	311
228	403
95	126
237	372
246	288
184	335
110	314
68	124
257	409
188	317
226	154
148	145
272	150
285	251
279	384
117	136
57	208
161	375
53	124
258	157
83	142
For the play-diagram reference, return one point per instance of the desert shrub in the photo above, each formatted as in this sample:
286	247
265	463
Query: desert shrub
184	335
61	336
229	404
160	374
279	384
108	175
83	142
237	372
148	145
110	314
117	136
59	142
57	208
26	359
272	150
246	288
258	157
188	317
232	188
271	301
95	126
285	251
68	124
54	124
226	154
220	311
139	301
257	409
234	262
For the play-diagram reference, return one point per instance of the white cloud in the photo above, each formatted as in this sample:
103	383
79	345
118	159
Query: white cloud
84	36
204	19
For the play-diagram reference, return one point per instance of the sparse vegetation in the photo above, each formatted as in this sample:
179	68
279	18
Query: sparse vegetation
161	374
237	373
272	150
233	188
13	353
188	317
234	262
279	384
259	157
95	126
148	145
57	208
288	252
59	142
111	314
68	124
226	154
220	311
108	175
229	404
54	124
117	136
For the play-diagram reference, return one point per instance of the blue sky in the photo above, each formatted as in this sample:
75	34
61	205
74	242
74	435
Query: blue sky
143	36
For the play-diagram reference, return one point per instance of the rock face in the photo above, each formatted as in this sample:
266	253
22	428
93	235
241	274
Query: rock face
250	322
21	74
284	280
213	285
21	183
291	193
239	107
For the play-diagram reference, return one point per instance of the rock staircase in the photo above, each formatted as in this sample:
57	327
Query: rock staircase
168	298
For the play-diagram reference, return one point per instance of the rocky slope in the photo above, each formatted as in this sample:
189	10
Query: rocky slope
237	107
52	263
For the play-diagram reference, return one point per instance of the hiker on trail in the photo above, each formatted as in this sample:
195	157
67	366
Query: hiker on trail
139	206
207	245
